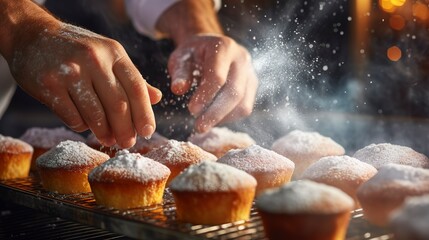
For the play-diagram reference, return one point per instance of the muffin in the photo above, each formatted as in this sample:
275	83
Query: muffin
43	139
128	180
305	148
305	210
411	220
388	189
64	168
343	172
177	156
220	140
213	193
381	154
15	158
267	167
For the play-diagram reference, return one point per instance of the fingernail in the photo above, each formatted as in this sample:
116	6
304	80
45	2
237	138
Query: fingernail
147	131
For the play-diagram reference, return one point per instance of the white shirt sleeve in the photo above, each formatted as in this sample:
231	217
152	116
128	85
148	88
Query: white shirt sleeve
145	13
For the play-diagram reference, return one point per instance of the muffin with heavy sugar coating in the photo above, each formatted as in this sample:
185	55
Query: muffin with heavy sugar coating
305	148
220	140
305	210
43	139
128	180
388	189
65	167
343	172
213	193
15	158
178	155
269	168
384	153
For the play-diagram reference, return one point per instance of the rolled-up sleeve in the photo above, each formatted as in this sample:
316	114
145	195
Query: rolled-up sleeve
145	13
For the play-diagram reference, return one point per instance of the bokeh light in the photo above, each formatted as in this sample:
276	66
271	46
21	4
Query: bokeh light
397	22
387	6
398	3
420	11
394	53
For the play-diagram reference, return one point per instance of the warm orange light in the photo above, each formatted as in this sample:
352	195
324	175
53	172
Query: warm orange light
394	53
397	22
420	11
398	3
387	6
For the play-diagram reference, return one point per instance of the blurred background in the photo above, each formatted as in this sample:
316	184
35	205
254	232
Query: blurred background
353	70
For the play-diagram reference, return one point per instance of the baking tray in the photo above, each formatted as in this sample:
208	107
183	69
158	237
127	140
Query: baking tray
157	222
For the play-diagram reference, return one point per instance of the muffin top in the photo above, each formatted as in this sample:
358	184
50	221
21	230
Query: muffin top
339	168
304	197
209	176
131	167
49	137
14	146
306	146
381	154
71	155
256	159
176	153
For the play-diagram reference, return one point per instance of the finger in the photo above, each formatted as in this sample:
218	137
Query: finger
138	95
225	102
58	100
154	93
245	106
90	108
213	78
180	68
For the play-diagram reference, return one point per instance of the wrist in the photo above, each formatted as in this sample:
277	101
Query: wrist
22	21
187	18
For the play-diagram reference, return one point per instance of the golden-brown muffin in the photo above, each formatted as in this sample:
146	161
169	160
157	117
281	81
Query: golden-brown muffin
269	168
15	158
65	167
388	189
177	156
220	140
43	139
305	210
305	148
128	180
343	172
213	193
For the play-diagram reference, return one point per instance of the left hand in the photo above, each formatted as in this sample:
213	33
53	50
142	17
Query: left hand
223	73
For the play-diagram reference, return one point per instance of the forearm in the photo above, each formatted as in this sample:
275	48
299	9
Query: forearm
187	18
20	21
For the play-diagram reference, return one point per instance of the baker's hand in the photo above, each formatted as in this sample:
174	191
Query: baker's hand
223	74
88	81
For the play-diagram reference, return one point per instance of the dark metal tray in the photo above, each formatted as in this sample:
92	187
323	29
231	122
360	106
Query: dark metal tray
158	222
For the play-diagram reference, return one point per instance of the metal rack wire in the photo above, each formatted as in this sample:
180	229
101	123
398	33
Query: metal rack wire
157	222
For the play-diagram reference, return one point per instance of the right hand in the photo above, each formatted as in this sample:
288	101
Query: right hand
87	80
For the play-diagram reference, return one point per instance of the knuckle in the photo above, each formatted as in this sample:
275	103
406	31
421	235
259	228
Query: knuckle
119	107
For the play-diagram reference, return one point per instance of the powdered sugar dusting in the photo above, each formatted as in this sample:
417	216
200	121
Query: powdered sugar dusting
305	197
49	137
394	178
384	153
339	168
217	137
71	154
256	159
301	142
13	145
177	152
129	166
211	176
